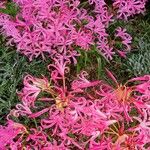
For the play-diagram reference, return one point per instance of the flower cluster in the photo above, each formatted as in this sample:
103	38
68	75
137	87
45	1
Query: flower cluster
60	26
105	44
47	27
125	39
128	8
79	114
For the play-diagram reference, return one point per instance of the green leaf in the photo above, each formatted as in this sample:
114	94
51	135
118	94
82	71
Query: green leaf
11	9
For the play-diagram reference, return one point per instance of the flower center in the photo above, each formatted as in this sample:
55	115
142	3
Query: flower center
123	93
60	104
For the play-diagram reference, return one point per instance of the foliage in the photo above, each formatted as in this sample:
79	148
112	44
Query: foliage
10	8
138	63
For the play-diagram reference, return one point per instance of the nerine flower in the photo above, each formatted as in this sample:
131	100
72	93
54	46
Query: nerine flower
121	99
9	132
125	37
143	87
128	8
32	88
82	82
45	26
144	124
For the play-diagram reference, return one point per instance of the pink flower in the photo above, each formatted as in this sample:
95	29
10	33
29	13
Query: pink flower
40	29
106	50
125	37
84	39
55	120
21	1
143	87
8	133
120	99
103	144
21	109
82	82
144	125
2	4
101	9
37	139
129	8
60	66
32	88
